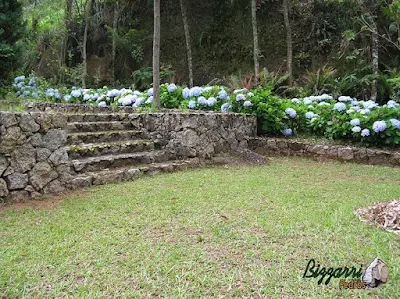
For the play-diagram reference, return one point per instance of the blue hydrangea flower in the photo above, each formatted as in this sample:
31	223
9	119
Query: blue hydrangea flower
365	133
247	104
150	100
355	122
391	104
102	104
287	132
310	115
195	91
223	95
240	97
395	123
172	87
296	101
192	105
150	92
113	93
67	98
87	97
291	112
211	101
76	93
19	78
202	100
225	107
138	102
324	104
250	94
186	93
339	107
379	126
307	101
345	99
356	129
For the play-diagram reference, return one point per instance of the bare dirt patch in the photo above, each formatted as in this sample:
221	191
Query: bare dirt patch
384	214
45	203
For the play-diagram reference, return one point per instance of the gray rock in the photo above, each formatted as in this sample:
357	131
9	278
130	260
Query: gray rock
17	180
12	138
59	120
43	119
54	139
59	156
3	164
131	174
41	175
42	154
8	119
28	124
80	182
18	196
345	153
36	140
189	138
23	159
54	187
3	188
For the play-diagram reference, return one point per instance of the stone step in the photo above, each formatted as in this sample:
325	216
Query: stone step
92	164
103	136
100	117
106	176
101	149
99	126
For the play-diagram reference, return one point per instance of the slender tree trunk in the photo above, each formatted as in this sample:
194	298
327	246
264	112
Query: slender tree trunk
289	44
256	50
88	7
188	42
114	40
375	58
67	22
156	56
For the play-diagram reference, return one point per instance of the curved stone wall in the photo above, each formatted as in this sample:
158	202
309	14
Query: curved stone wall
292	147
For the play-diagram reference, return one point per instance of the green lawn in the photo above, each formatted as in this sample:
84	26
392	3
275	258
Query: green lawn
215	232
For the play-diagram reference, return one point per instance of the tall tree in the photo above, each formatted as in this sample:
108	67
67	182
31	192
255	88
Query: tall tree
289	43
156	56
256	51
88	10
114	40
67	26
11	30
188	42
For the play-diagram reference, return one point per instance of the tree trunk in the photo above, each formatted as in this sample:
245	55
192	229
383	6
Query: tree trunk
289	44
88	7
188	42
67	25
114	40
156	57
256	50
375	58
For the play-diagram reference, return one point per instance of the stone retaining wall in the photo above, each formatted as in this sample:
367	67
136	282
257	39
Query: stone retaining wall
33	145
292	147
198	134
33	159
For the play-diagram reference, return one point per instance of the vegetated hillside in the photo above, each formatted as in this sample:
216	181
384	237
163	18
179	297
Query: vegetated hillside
332	42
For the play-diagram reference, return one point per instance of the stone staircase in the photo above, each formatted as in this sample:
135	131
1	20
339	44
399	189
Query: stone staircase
104	148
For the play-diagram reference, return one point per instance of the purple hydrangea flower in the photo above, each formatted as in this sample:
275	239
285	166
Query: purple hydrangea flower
395	123
291	112
365	133
287	132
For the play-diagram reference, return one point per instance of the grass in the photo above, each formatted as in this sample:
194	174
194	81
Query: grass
215	232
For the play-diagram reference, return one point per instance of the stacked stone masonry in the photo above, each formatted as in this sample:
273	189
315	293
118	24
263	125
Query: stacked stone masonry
50	150
292	147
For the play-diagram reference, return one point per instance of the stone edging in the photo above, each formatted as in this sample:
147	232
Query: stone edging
290	147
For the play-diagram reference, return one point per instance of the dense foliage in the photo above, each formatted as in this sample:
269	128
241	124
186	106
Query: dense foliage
343	118
11	30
